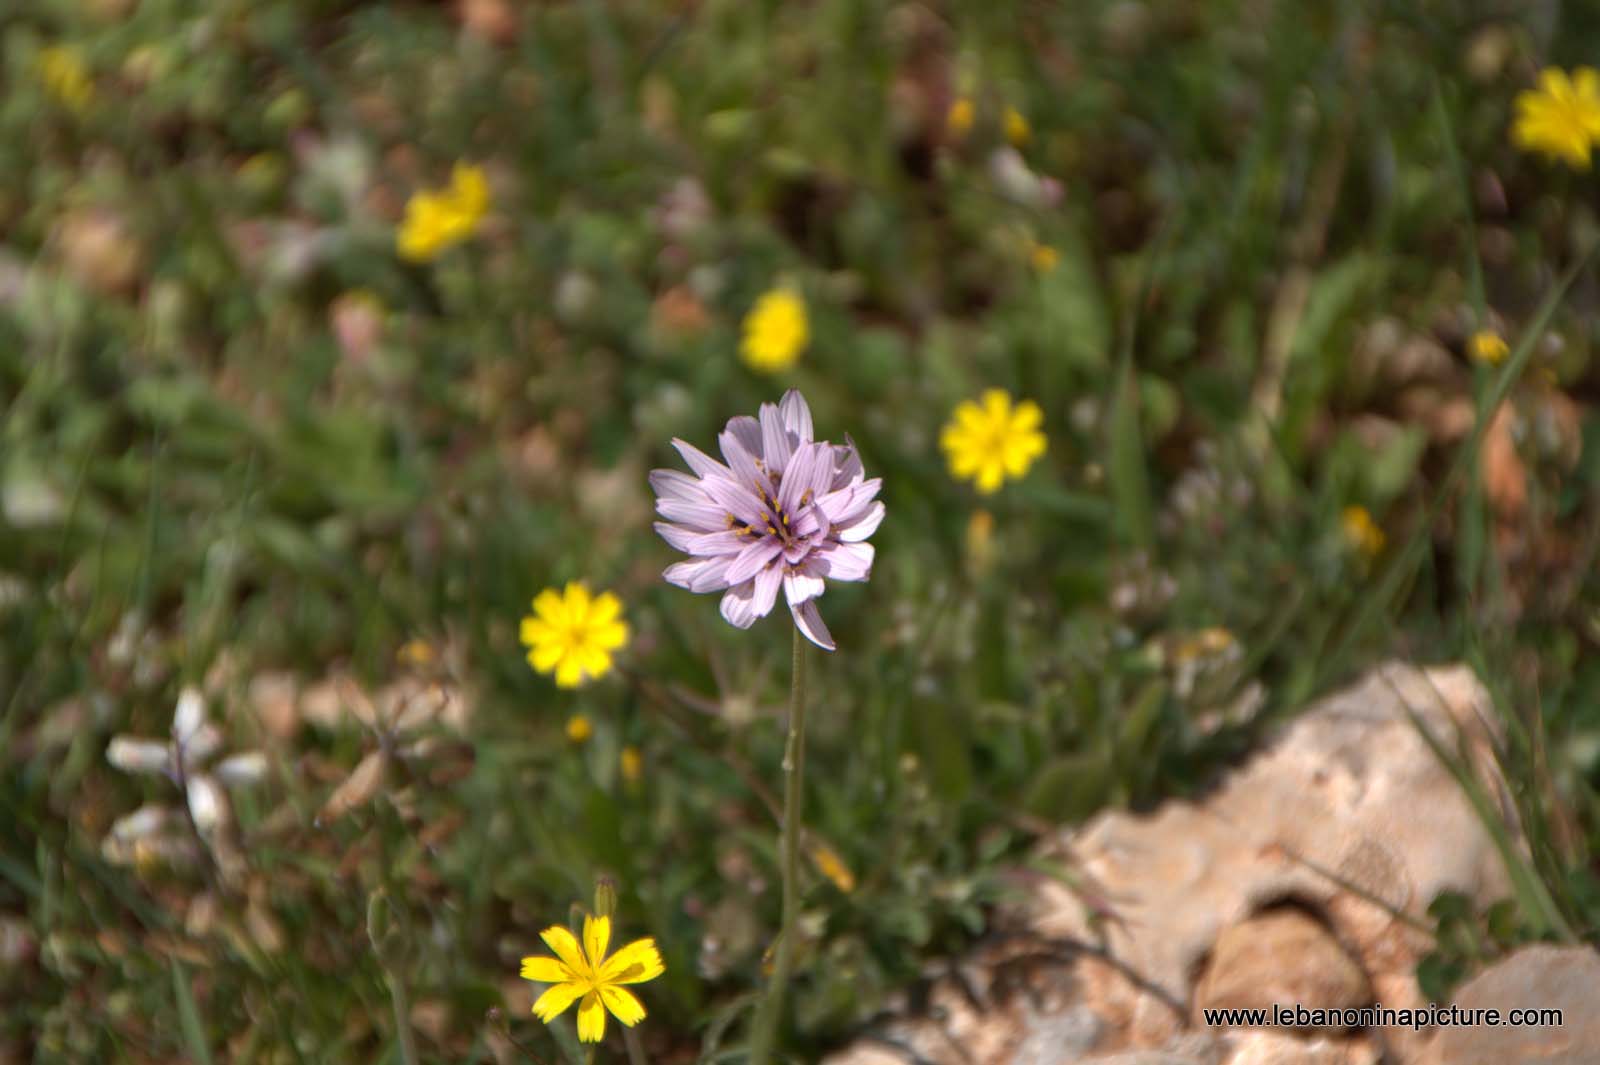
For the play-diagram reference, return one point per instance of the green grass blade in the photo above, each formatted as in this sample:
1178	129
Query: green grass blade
1403	566
194	1033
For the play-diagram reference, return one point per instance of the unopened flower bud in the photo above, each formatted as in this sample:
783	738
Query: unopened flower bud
147	820
189	715
133	755
605	896
246	768
206	803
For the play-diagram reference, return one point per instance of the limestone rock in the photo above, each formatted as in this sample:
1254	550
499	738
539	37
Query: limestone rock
1281	956
1346	805
1263	1047
1538	977
1349	796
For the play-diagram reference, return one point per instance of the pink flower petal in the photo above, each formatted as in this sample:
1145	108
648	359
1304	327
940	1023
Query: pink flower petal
674	484
776	442
809	621
701	575
747	431
845	562
796	415
767	583
746	474
801	583
864	526
738	605
701	517
752	559
698	460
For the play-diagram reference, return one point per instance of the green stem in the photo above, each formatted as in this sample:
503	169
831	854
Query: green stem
402	1017
765	1034
630	1039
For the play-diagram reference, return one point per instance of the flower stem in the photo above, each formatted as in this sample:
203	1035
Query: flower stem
402	1017
764	1036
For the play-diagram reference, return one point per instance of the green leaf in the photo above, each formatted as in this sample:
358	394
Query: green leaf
1069	788
1139	722
194	1033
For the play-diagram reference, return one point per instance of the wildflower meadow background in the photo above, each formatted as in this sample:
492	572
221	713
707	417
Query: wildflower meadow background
1207	353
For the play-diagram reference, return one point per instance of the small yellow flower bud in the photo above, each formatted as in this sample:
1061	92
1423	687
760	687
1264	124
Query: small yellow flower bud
1043	258
632	764
960	117
1360	531
1018	132
830	865
605	896
1488	347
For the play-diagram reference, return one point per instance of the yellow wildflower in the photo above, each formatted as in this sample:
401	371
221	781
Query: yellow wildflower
1043	258
583	974
1206	642
572	634
1018	132
632	764
438	218
1360	531
775	331
1489	347
960	117
1561	118
417	652
579	729
65	77
991	441
830	865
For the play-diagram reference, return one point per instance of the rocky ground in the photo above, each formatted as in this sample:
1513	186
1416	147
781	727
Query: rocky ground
1304	878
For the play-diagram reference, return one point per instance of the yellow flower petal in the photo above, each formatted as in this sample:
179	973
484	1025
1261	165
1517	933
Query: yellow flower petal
633	964
577	601
591	1019
1026	417
549	605
605	609
1560	119
623	1006
565	945
534	631
555	1001
470	188
609	637
545	970
569	674
593	661
546	655
596	938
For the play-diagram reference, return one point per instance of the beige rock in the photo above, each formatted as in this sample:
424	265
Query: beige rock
1282	956
1538	977
1261	1047
1347	806
1347	815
